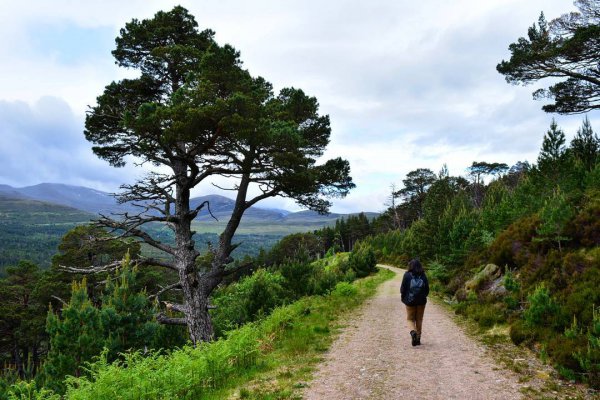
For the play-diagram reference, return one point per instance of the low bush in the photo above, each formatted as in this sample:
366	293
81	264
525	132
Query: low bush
246	300
29	391
589	358
345	289
542	309
438	271
486	314
521	332
362	261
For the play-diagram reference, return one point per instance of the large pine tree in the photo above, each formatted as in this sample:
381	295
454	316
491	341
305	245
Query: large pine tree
197	114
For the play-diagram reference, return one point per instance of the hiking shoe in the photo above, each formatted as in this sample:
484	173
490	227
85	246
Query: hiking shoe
418	340
415	339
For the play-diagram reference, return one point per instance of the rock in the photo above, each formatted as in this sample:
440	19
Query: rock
497	287
489	273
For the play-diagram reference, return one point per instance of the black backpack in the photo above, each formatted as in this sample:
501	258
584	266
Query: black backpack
416	288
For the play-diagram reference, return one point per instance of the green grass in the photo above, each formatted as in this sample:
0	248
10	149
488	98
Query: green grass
270	359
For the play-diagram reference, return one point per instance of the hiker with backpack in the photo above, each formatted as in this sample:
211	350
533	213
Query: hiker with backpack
414	291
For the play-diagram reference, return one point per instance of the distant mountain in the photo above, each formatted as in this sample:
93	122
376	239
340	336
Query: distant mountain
34	218
11	193
82	198
98	202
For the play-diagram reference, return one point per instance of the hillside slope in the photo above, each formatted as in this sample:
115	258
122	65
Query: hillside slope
31	229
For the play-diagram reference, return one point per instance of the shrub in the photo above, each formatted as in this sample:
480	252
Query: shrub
589	359
297	277
510	282
324	279
297	246
345	289
542	309
486	314
585	227
562	350
28	391
512	246
246	300
521	333
362	261
438	271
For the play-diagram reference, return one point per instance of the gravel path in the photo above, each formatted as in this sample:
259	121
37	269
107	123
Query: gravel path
373	358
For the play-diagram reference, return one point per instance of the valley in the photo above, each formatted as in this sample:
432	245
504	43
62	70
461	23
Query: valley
33	219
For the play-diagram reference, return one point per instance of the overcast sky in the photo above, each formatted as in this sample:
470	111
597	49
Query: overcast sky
407	84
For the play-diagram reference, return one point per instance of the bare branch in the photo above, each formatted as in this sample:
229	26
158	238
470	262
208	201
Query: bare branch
265	195
165	289
158	263
242	267
195	212
174	307
233	189
131	230
163	319
92	269
64	303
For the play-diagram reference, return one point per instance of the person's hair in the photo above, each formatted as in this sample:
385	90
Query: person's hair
415	267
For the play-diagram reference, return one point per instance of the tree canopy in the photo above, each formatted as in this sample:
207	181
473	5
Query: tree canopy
567	48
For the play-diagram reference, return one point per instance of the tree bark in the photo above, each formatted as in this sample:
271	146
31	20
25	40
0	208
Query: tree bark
195	290
196	294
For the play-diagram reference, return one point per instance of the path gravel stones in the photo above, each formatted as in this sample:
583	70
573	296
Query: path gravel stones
373	358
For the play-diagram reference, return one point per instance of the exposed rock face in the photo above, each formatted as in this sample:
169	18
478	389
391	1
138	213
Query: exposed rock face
496	287
490	273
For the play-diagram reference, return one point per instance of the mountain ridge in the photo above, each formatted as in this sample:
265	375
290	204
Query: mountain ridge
99	202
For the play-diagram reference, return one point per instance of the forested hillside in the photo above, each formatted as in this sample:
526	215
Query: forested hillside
517	246
34	219
32	229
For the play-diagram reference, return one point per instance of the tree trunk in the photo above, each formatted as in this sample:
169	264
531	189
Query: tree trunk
195	291
196	294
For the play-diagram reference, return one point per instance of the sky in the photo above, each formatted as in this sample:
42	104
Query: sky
407	84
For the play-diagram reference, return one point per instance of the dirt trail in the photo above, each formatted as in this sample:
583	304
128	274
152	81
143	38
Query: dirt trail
373	358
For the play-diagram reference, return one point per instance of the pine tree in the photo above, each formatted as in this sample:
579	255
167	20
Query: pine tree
127	317
554	216
553	146
75	337
586	145
22	313
125	321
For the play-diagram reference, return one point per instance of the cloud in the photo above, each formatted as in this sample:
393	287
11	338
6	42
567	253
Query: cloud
45	143
407	84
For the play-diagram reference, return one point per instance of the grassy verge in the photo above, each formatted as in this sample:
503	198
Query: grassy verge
269	359
290	364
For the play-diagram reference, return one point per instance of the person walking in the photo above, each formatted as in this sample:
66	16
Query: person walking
413	292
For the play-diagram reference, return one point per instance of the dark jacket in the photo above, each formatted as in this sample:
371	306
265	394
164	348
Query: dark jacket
420	300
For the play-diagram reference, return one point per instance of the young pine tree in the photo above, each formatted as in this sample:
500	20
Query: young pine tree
125	321
127	317
554	216
553	148
75	337
586	146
